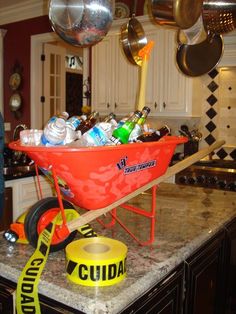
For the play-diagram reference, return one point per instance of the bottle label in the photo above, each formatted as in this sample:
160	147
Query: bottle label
74	121
45	142
115	140
99	137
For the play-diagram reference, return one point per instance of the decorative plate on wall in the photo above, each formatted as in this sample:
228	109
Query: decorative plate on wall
121	10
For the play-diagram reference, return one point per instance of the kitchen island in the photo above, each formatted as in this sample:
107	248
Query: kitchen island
186	219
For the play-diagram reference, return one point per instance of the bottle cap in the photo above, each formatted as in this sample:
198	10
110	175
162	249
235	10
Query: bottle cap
147	109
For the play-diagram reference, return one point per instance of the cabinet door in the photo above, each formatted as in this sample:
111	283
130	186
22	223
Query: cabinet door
155	79
114	79
231	282
165	298
169	92
125	87
205	278
6	297
177	87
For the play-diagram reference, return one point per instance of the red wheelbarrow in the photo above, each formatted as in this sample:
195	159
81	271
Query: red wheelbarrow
99	179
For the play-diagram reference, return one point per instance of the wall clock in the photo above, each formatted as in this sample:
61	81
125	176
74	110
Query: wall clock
15	81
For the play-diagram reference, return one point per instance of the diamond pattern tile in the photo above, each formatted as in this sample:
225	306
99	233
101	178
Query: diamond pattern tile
221	153
213	73
233	154
210	126
211	113
210	139
213	86
212	100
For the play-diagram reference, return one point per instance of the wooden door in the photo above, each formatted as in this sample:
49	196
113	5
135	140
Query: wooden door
53	81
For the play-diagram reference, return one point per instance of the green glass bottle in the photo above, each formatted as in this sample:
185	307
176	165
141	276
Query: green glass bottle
121	134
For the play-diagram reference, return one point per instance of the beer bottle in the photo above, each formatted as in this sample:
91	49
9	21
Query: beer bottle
154	136
122	133
138	129
88	123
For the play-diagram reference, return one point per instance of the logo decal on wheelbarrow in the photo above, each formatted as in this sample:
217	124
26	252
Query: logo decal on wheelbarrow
122	165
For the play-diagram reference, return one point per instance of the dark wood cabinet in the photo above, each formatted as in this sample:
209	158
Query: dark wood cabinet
165	298
47	306
231	267
205	278
6	297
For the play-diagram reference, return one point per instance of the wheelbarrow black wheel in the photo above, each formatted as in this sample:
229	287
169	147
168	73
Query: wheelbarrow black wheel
33	222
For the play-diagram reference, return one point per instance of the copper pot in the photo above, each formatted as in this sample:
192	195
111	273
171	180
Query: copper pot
177	13
219	17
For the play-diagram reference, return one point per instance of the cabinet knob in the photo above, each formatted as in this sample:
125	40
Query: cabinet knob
108	105
115	105
164	105
155	105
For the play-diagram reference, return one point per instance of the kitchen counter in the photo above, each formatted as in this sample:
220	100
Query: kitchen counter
186	218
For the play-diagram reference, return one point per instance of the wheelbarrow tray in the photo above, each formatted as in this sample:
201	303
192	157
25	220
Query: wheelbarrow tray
95	177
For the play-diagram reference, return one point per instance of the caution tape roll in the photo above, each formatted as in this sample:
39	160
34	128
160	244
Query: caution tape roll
96	261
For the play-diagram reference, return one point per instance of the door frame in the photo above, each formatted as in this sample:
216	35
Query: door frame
36	73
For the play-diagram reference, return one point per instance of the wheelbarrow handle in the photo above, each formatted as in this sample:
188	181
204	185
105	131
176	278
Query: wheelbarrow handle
93	214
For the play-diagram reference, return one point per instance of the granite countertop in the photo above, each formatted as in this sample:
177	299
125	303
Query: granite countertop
186	218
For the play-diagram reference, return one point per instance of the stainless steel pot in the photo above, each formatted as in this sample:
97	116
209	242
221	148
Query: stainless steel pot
81	23
177	13
199	59
219	17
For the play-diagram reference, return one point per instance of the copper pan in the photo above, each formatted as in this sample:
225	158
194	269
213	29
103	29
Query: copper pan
199	59
133	39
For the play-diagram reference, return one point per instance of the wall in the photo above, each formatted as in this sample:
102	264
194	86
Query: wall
17	49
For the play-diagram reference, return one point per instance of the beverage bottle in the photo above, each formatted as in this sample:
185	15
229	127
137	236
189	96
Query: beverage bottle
121	134
138	129
64	115
54	132
71	125
123	120
88	123
154	136
100	133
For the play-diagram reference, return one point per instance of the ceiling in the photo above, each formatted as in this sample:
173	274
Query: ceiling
10	3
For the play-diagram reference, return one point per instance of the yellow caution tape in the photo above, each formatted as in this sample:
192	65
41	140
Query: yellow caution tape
27	300
96	261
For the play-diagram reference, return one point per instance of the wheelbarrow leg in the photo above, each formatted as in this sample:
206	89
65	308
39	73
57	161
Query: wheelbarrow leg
59	196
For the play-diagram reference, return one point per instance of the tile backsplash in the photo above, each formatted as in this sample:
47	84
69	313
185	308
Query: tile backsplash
218	120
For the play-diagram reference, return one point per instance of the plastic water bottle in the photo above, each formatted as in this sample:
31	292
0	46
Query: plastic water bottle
54	132
100	134
71	125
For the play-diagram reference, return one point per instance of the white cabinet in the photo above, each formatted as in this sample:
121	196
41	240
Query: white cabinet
169	92
25	193
114	79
